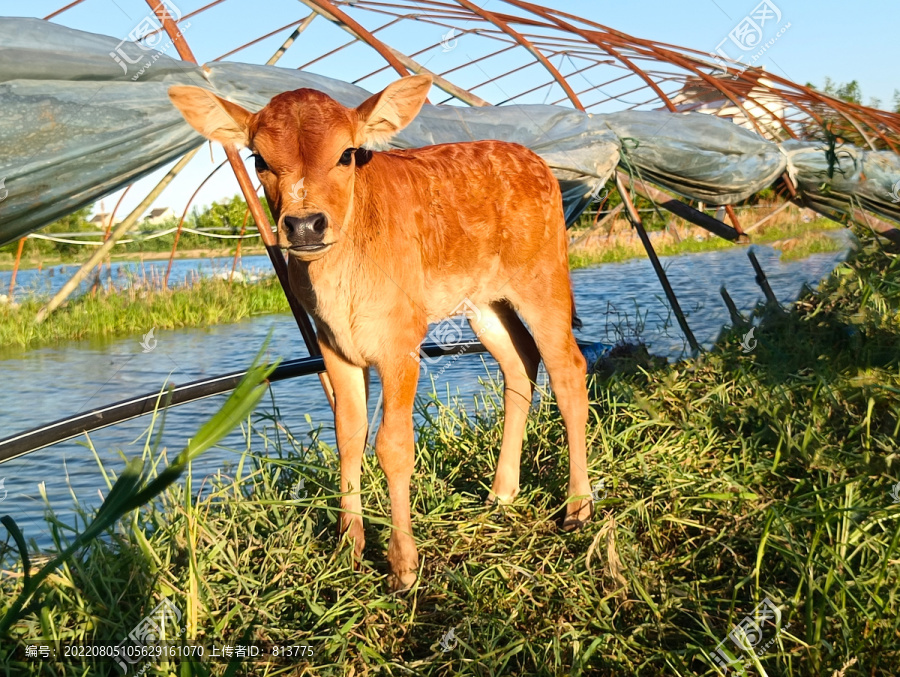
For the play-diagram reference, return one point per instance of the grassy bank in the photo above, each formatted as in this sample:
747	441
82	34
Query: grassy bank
728	479
795	239
136	311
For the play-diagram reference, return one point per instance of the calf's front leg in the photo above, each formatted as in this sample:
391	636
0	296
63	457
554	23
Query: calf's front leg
395	449
350	385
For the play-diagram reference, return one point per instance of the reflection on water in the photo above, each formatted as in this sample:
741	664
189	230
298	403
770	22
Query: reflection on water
45	384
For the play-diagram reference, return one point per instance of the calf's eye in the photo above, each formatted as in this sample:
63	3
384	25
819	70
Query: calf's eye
347	157
261	165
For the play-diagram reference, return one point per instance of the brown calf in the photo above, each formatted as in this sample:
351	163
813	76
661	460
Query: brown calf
381	244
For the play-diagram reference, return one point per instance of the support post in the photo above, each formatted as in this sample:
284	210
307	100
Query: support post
732	216
278	262
635	219
763	281
737	320
256	209
12	281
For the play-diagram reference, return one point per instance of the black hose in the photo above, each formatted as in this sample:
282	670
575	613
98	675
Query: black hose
67	428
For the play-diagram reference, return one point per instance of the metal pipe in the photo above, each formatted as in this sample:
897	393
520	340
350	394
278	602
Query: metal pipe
278	263
686	212
763	281
256	209
62	9
335	15
737	320
635	219
526	43
732	216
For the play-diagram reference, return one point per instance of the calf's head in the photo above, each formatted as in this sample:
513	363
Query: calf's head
305	145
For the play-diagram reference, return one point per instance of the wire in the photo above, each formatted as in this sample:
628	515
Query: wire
151	236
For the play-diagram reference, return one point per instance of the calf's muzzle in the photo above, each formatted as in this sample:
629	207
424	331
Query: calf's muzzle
306	233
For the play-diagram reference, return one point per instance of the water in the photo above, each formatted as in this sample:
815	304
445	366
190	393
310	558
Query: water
49	280
46	384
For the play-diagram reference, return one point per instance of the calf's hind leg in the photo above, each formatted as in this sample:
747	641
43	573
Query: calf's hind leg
550	317
501	331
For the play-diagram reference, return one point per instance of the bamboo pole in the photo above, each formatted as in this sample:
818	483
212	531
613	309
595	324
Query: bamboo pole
290	40
766	218
114	237
598	225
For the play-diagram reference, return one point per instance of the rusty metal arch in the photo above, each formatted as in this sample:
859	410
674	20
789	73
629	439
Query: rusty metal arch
522	40
538	29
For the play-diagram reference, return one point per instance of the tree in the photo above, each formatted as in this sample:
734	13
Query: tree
226	213
849	91
76	222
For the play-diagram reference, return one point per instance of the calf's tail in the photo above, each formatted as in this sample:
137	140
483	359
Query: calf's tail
576	321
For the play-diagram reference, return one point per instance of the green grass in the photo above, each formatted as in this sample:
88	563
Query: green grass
800	240
107	315
731	477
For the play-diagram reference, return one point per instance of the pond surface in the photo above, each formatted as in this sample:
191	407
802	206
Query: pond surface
614	301
49	280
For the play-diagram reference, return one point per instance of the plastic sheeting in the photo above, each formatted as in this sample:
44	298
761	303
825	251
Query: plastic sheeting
84	115
698	156
76	126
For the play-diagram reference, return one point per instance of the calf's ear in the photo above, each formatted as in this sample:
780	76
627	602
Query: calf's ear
383	115
214	117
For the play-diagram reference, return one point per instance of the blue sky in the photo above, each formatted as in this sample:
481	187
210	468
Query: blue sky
841	40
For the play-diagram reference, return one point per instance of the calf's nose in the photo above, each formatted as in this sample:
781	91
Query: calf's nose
305	230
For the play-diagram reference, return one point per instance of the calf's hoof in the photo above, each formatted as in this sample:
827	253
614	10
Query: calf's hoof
578	513
355	535
401	582
500	499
